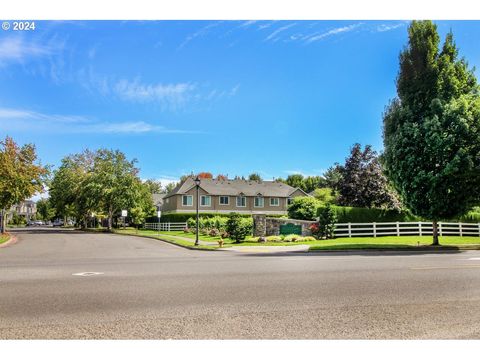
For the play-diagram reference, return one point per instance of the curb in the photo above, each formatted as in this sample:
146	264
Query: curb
13	239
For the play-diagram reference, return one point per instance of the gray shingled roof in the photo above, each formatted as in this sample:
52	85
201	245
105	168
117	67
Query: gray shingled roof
236	187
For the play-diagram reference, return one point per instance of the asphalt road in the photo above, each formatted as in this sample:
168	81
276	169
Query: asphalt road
147	289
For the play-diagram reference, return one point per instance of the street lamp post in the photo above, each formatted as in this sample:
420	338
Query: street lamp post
197	185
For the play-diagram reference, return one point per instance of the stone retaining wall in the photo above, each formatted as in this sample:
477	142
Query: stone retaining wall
266	226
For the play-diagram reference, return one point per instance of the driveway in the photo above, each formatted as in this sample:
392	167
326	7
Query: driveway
73	285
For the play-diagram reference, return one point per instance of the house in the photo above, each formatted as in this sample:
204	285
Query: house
225	196
27	208
158	200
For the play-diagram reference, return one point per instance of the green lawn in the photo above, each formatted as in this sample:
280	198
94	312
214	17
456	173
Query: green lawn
391	242
164	235
385	242
4	238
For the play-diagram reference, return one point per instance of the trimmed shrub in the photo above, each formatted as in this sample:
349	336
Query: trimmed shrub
183	217
291	237
303	208
326	222
214	232
347	214
238	227
309	238
274	238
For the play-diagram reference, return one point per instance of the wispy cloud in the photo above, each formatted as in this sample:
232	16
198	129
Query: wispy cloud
388	27
171	95
17	49
274	35
27	120
199	33
320	36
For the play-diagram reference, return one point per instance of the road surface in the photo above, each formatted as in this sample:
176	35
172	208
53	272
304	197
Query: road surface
70	285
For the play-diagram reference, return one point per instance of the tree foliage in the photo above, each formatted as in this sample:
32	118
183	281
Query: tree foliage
21	176
254	177
303	208
237	227
432	128
326	221
362	182
105	182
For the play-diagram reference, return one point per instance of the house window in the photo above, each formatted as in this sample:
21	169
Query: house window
289	201
167	200
224	200
241	201
274	202
258	201
205	200
187	200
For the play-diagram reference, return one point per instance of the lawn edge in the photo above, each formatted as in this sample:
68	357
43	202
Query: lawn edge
406	248
11	240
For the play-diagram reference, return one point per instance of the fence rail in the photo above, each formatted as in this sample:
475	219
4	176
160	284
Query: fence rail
405	228
166	226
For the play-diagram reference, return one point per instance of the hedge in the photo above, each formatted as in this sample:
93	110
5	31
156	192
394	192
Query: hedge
347	214
183	217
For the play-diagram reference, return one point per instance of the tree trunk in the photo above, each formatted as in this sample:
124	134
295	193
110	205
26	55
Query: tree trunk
435	233
110	216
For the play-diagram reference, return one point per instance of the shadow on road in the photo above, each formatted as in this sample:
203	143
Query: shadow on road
43	230
339	253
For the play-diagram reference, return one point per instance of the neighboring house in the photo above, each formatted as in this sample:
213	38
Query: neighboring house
158	200
225	196
27	208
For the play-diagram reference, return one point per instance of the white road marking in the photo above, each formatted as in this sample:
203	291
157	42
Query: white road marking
476	258
88	273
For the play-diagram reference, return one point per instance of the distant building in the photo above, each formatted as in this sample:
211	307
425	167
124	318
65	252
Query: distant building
27	208
225	196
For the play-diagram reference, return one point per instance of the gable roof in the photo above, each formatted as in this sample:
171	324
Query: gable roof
237	187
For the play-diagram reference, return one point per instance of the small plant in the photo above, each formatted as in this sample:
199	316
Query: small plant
214	232
274	238
309	238
290	238
186	230
224	235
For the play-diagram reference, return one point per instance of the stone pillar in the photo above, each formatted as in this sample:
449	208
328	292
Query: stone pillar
259	225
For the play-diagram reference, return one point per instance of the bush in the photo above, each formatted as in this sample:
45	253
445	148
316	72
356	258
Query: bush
309	238
326	222
303	208
274	238
214	232
238	227
292	237
347	214
183	217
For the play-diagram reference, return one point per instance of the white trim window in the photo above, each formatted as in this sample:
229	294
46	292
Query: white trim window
224	200
258	203
274	202
187	200
205	200
241	201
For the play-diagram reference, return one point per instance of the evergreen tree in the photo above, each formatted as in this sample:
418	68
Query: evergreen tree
432	129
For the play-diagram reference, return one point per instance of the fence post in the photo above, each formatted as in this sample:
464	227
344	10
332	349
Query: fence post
478	229
398	228
420	228
374	229
440	228
168	226
350	230
460	228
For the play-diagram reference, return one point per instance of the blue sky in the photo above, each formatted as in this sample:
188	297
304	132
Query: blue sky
230	97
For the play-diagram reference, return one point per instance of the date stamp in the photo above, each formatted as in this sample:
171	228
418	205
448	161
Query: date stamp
18	25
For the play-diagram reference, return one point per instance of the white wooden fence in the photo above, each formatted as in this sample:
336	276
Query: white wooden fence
405	228
166	226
